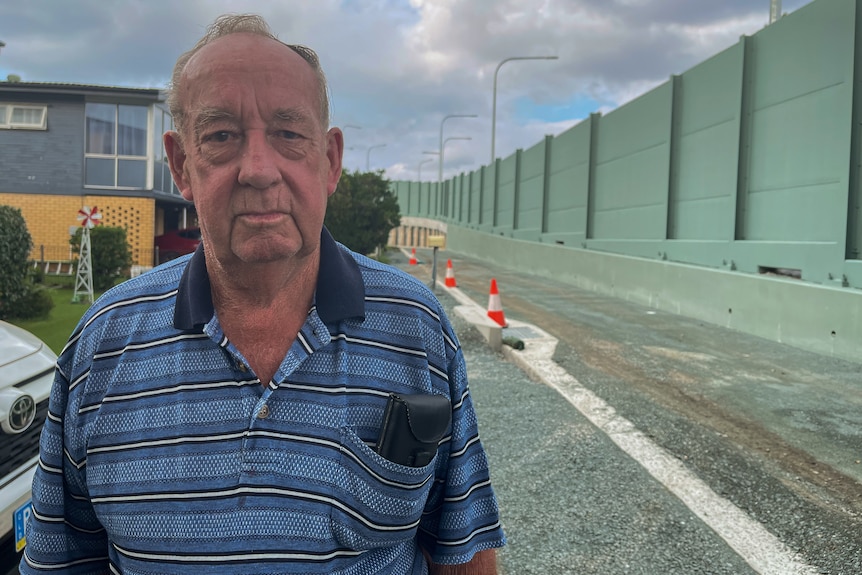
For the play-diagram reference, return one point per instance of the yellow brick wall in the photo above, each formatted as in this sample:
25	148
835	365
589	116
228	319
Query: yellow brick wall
49	218
137	215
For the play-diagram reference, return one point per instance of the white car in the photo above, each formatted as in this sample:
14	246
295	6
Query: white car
26	373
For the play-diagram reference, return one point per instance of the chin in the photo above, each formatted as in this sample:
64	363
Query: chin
264	252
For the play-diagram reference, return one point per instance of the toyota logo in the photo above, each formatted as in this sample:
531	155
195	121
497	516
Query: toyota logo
17	410
22	413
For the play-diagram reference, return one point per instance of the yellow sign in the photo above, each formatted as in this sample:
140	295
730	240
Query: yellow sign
436	241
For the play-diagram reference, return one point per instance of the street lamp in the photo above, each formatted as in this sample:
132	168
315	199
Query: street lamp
494	109
368	155
774	10
425	161
352	148
344	130
440	168
444	145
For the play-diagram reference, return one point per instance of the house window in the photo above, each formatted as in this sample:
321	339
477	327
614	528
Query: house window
116	146
23	117
162	122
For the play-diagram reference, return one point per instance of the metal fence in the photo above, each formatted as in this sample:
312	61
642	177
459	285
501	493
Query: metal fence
60	260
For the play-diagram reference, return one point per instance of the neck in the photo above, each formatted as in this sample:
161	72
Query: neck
262	307
273	285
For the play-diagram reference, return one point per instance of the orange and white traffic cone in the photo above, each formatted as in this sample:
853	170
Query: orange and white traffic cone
495	307
413	261
450	275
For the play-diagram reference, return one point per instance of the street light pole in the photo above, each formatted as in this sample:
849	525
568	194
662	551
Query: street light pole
440	168
434	154
368	155
444	145
425	161
774	10
354	126
442	195
344	131
494	105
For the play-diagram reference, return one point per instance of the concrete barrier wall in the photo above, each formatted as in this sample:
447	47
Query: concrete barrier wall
822	319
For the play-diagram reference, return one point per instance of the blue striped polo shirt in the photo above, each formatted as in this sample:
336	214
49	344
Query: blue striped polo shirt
163	453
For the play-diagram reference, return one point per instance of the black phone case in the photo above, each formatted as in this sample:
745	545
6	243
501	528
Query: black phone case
413	425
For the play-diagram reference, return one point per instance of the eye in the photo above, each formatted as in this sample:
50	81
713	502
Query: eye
287	135
220	136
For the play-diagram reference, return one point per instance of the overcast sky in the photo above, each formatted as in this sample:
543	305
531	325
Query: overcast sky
396	68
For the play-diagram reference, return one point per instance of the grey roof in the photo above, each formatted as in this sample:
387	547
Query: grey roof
156	94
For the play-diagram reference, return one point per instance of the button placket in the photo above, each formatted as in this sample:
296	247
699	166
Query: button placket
262	409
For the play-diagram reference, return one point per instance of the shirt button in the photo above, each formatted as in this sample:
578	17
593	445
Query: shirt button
264	412
241	366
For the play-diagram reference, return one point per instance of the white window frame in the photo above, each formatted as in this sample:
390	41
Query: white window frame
6	119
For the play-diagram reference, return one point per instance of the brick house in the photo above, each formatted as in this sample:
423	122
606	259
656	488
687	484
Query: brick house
65	146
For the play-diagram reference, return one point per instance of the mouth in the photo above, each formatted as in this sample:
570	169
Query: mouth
261	218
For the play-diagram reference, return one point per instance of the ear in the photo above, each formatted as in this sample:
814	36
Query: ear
334	152
177	161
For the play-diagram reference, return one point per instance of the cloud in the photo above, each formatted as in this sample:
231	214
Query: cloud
397	67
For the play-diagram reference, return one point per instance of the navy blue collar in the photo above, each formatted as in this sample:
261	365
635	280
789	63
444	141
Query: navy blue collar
340	292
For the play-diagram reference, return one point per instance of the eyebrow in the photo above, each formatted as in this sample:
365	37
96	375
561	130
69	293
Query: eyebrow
208	116
290	115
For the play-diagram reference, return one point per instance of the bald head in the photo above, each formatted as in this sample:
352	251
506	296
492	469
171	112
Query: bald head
238	24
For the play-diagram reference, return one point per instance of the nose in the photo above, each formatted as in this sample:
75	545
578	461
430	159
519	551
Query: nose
258	165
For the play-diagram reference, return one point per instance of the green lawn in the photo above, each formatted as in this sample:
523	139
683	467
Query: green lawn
58	326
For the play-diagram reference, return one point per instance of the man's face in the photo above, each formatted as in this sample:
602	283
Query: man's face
254	156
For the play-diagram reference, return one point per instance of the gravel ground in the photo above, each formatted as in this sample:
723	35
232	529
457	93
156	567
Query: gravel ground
571	500
772	429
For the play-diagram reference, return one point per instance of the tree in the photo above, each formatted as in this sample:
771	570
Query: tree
15	245
362	211
110	253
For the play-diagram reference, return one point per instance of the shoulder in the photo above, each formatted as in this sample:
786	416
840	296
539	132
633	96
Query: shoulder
391	292
158	282
384	279
148	298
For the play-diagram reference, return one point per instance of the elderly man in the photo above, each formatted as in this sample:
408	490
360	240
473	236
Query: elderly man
221	413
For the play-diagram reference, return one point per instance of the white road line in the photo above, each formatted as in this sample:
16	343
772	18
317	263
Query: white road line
762	550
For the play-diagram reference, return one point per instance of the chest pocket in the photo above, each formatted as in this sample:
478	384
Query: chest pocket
380	502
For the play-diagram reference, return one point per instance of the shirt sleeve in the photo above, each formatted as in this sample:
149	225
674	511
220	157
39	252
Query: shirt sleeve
462	516
63	535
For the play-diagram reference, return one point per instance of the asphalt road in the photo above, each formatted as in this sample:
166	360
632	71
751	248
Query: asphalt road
770	432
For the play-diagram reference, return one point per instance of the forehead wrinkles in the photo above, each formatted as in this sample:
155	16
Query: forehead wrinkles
271	59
